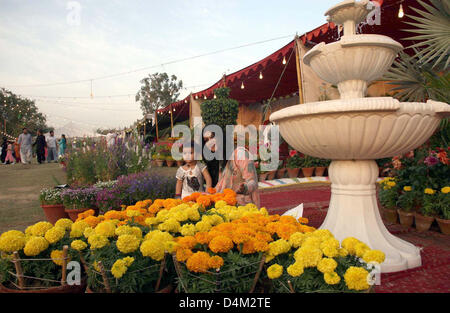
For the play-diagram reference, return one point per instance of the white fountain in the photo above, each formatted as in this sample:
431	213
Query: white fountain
354	131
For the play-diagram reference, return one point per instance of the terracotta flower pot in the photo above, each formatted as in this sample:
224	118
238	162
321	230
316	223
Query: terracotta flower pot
444	225
390	215
271	175
170	163
293	172
73	213
423	223
307	171
280	173
320	170
263	176
159	163
406	218
54	212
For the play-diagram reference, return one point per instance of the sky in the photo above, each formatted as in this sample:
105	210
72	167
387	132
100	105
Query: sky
54	41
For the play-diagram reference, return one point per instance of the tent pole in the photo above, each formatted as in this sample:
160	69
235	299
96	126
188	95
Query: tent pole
190	110
156	123
299	70
171	121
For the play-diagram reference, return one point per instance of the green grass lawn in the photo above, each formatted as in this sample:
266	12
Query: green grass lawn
19	191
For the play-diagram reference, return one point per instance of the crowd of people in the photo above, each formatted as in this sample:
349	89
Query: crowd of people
21	150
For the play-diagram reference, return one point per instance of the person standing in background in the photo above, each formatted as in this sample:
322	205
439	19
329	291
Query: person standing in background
4	150
9	154
62	145
17	151
212	165
40	147
51	148
25	142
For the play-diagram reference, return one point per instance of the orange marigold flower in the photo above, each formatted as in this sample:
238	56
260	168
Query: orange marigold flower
229	192
230	200
248	247
288	219
215	262
221	244
183	254
195	195
202	237
204	201
113	215
303	220
260	246
198	262
92	221
211	190
286	230
188	242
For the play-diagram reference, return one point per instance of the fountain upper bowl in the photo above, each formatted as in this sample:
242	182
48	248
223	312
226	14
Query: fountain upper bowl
365	128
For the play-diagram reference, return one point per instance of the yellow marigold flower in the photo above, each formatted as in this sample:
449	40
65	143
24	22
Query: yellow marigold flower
183	254
76	233
198	262
429	191
296	239
158	236
57	257
342	252
407	188
28	230
203	226
278	247
327	265
308	255
312	242
170	225
295	269
356	278
274	271
349	244
64	223
80	226
133	213
35	245
170	246
360	249
391	184
188	230
215	262
55	234
88	231
78	245
12	240
97	241
445	190
106	228
374	256
331	278
119	268
153	249
220	204
127	243
40	228
151	221
128	260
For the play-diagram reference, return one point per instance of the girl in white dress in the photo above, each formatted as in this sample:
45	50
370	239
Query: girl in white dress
192	175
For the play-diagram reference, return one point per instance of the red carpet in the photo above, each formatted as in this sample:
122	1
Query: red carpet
432	276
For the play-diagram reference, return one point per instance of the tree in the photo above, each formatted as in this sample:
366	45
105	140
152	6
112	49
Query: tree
19	112
221	111
158	91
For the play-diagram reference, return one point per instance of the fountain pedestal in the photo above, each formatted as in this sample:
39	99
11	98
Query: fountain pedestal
353	212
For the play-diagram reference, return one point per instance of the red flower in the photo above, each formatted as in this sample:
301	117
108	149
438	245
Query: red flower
292	153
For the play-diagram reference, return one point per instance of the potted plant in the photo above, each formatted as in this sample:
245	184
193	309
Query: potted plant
293	164
281	171
79	200
425	216
36	261
159	160
388	194
262	175
443	199
405	203
320	165
307	166
170	161
52	204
